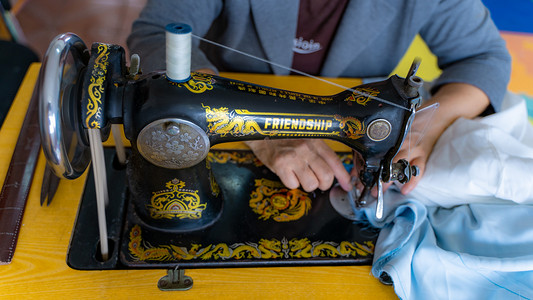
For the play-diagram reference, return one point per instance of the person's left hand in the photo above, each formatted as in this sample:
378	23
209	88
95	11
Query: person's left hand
456	100
417	154
416	149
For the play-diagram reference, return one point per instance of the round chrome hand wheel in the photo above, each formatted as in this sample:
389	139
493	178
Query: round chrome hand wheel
63	140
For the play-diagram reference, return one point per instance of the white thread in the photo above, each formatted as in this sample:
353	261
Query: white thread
178	55
300	72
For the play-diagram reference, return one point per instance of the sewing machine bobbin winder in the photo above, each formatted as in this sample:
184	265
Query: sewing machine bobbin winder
175	202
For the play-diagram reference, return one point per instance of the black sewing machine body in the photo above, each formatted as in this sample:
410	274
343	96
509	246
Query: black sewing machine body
173	195
229	110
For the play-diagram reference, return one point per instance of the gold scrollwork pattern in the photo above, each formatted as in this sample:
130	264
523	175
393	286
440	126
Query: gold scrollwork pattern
222	157
198	83
240	122
221	121
362	95
176	202
352	127
96	88
215	188
247	157
272	200
263	249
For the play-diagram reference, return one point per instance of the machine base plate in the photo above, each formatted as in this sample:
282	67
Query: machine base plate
262	224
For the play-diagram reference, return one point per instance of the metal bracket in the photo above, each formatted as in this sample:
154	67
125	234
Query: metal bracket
175	280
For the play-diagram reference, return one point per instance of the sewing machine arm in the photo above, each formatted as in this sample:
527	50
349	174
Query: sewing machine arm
174	124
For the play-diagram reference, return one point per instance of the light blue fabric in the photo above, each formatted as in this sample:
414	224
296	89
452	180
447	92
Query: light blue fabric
477	251
456	240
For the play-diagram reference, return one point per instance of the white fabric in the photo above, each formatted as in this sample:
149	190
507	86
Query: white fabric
487	160
466	231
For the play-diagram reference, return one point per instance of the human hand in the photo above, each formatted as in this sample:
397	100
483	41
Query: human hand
455	100
310	163
416	149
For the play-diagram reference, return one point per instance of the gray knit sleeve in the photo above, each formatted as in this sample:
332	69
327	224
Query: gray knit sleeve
469	48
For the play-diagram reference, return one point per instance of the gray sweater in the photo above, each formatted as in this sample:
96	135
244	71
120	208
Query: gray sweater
372	37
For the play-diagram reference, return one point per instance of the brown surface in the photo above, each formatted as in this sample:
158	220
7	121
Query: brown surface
107	21
18	181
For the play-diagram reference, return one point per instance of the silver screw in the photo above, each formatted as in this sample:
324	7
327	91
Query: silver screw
173	128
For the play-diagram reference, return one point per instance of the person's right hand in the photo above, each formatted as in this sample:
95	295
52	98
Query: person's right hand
309	163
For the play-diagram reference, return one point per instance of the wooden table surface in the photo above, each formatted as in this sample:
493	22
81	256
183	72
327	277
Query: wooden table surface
39	269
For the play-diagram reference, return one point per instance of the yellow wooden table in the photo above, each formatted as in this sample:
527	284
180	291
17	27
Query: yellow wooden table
39	269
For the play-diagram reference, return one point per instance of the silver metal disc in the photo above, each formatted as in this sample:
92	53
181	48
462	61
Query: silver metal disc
173	143
341	202
379	129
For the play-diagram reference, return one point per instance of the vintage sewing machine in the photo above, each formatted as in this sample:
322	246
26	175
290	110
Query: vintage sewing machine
176	203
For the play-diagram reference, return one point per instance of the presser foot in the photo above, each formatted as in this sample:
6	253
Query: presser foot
349	204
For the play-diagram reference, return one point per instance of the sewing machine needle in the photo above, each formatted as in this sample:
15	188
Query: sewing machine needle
379	205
